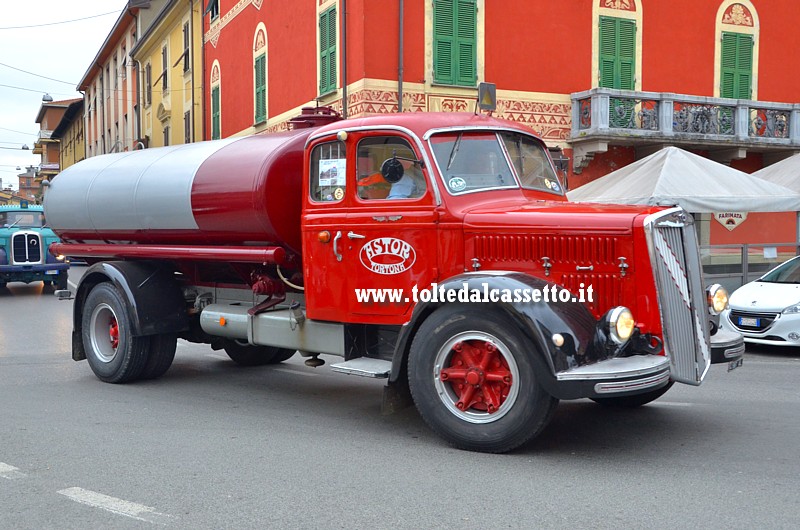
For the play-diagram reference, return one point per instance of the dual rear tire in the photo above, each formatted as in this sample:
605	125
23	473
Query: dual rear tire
113	353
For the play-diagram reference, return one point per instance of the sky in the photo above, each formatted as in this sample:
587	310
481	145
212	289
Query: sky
61	51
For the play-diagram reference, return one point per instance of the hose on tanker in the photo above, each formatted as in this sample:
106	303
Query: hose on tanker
287	282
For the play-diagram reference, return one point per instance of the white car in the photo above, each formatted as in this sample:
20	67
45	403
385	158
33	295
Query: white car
767	311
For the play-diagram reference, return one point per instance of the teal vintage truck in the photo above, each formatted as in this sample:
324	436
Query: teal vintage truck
24	240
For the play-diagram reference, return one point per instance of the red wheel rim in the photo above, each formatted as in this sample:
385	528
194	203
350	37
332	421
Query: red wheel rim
478	376
113	333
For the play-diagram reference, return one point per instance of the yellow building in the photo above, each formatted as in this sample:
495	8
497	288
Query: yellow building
170	66
69	132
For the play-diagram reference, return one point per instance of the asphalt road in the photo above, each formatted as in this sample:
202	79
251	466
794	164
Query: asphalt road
214	445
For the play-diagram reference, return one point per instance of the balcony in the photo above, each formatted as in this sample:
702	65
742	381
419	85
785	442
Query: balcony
727	128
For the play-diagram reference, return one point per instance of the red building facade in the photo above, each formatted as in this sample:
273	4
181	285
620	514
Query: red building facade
606	81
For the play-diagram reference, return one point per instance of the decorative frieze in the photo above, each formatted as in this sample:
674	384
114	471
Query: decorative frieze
737	15
212	35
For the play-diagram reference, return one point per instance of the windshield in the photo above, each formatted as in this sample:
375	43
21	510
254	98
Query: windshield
788	272
29	219
474	161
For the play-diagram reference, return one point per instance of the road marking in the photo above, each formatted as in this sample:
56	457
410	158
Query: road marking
10	472
671	404
114	505
295	372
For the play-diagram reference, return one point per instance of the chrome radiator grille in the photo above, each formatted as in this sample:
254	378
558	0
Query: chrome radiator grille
681	296
26	248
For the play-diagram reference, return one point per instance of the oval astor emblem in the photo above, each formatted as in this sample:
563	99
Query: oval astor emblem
387	255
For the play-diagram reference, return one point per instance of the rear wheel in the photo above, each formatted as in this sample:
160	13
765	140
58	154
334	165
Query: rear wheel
245	354
631	402
113	353
473	381
162	353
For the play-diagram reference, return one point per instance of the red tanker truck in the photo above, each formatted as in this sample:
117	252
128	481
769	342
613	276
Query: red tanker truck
436	250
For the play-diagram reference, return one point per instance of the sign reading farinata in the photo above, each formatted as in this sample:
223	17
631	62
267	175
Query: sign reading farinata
387	255
730	220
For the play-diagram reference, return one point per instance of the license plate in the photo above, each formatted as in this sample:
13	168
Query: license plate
733	365
747	321
51	272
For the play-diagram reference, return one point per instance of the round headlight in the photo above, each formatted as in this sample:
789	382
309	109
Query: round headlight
620	324
717	299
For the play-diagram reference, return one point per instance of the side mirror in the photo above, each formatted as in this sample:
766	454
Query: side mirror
392	170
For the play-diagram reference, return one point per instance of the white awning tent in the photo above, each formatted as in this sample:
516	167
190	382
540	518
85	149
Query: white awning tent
672	176
784	173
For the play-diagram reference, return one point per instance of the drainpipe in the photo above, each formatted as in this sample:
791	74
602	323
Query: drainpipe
400	62
191	62
344	59
203	75
102	104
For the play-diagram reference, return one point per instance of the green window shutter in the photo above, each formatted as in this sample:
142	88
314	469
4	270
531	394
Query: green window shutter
261	88
215	124
627	54
327	51
332	25
455	42
466	42
736	63
444	41
617	53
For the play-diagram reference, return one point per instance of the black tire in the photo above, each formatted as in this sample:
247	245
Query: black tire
283	354
244	354
61	280
162	353
631	402
112	360
436	351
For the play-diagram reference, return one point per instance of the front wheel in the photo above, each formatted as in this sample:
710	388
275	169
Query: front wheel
631	402
113	353
473	381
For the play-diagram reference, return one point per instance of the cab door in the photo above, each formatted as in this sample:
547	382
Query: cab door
382	234
391	230
324	217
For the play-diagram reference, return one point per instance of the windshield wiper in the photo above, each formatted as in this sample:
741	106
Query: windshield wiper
454	151
12	224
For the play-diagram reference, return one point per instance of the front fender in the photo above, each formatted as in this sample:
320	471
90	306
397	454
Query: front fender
152	296
538	321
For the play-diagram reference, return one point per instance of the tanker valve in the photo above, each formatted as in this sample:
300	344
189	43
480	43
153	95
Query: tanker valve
263	284
298	315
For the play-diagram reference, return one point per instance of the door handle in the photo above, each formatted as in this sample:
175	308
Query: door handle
353	235
336	239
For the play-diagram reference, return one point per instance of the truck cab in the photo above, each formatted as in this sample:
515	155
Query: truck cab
24	242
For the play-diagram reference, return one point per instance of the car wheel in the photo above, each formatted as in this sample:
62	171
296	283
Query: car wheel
473	381
61	280
113	353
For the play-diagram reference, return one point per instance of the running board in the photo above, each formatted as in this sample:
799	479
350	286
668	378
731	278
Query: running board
365	367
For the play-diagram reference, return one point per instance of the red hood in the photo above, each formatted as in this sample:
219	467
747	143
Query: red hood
555	216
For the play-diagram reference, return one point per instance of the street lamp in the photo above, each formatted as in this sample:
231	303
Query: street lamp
47	98
25	147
